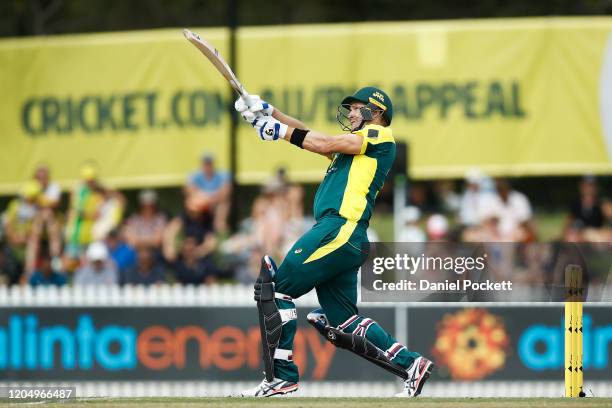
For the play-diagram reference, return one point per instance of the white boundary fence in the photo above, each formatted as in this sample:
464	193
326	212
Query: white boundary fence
240	296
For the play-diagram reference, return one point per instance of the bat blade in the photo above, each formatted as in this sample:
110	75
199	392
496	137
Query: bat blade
218	62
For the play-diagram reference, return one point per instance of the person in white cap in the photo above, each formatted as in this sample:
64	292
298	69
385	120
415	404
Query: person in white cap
99	269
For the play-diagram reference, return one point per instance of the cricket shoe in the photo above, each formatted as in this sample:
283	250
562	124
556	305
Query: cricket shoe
418	373
268	389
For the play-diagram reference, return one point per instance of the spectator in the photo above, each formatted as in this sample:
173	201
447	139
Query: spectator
208	190
194	224
109	214
606	209
120	252
512	208
50	191
247	272
18	219
146	228
448	200
45	275
146	271
47	225
293	193
99	269
85	205
437	228
411	232
277	220
473	199
296	223
270	217
587	207
188	266
10	270
488	229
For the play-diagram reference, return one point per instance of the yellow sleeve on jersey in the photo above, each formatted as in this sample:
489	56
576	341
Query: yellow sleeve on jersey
373	135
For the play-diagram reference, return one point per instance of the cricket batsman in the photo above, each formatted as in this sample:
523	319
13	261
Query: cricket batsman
328	257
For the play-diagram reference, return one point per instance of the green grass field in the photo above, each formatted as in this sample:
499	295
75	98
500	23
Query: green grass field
341	402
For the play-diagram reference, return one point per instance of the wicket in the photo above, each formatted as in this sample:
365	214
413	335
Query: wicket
573	331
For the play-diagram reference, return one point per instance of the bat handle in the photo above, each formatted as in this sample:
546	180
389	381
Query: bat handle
247	99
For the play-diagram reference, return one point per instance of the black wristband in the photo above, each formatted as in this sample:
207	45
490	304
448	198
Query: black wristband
297	137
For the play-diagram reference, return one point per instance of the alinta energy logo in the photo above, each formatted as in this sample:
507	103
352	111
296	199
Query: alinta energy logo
471	344
540	346
605	95
29	343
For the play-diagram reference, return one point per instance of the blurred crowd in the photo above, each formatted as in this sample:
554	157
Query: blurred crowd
491	210
95	241
491	217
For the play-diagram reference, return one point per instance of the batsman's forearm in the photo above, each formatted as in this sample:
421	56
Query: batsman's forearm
288	120
314	141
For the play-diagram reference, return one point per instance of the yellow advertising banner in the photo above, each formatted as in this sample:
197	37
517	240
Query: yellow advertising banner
512	97
142	106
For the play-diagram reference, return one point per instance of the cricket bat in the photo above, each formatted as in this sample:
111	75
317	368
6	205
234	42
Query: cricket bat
219	63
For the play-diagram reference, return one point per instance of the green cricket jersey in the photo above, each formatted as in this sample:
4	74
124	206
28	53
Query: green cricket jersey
352	182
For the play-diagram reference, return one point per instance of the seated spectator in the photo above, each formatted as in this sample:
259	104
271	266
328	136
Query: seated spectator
447	199
437	228
277	221
294	194
270	216
473	199
44	274
10	270
488	229
411	232
51	192
295	224
146	228
122	254
194	224
146	271
86	203
47	225
99	269
18	219
189	266
209	190
109	215
587	207
512	208
247	272
606	209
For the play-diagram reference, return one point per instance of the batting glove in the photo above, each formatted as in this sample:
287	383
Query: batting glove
258	108
269	129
